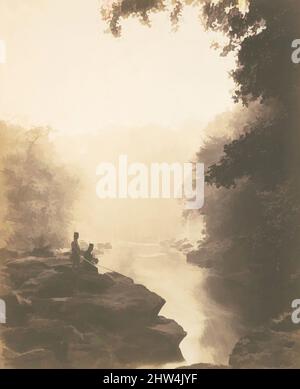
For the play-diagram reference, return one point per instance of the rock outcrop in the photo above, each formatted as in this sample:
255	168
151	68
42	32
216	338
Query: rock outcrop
204	366
275	346
60	318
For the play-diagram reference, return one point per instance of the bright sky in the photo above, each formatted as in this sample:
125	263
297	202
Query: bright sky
63	71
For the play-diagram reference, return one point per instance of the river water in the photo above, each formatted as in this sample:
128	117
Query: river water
167	273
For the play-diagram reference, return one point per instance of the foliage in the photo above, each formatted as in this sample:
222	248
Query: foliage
38	191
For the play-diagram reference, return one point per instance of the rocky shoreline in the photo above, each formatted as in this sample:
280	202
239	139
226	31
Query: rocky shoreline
58	318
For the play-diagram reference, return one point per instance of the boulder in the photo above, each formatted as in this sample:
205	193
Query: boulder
204	366
266	348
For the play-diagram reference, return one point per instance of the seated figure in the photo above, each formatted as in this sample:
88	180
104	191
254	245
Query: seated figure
88	255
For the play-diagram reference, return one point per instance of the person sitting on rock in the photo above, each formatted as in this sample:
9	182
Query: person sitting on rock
88	255
75	252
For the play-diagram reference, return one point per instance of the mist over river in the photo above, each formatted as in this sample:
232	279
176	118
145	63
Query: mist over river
165	271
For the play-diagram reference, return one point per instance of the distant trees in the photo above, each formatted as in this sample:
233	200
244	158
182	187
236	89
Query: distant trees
38	190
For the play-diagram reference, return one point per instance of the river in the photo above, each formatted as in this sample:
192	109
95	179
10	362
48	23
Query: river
166	272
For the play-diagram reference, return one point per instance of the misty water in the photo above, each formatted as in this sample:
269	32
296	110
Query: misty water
166	272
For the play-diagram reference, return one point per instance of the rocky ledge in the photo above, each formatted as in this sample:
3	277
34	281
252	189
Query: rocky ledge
275	345
59	318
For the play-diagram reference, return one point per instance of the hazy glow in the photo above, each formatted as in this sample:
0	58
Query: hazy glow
147	94
63	71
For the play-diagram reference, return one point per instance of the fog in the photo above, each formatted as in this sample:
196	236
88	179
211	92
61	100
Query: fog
125	219
137	229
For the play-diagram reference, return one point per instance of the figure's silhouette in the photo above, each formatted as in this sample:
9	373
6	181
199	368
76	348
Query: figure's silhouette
75	252
88	255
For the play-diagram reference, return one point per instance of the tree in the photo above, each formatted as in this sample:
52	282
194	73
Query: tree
39	193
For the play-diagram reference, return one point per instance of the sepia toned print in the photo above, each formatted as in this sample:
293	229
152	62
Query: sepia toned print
150	194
